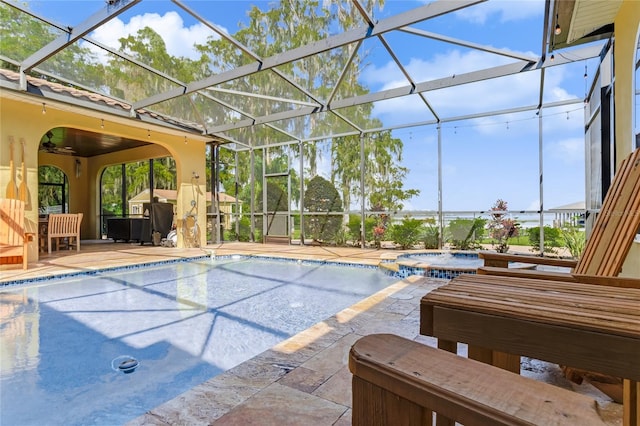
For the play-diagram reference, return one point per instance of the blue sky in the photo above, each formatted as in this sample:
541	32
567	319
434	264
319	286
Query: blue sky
483	159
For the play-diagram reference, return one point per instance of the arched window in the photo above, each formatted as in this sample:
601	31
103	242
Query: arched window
53	190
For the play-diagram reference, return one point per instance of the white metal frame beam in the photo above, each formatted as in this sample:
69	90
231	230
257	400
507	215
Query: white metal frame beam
455	80
403	19
74	34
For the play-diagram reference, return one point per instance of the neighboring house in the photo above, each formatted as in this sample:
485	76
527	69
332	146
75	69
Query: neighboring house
227	203
570	214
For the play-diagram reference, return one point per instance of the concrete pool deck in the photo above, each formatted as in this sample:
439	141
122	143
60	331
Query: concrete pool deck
305	379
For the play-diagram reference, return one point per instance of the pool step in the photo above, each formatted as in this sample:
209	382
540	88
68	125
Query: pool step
389	267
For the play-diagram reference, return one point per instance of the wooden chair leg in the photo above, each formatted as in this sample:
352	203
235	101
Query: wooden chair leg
631	402
507	361
448	345
480	354
504	360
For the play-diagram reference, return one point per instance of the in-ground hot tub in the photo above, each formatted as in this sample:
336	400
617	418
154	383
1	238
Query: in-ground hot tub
442	264
445	265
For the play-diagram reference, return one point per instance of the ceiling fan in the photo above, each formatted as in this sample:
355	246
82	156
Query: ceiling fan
52	148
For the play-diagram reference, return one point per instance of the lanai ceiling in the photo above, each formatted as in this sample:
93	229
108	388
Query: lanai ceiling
250	101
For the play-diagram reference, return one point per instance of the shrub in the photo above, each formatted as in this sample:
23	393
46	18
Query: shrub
431	234
354	228
341	236
552	239
466	234
244	228
407	233
574	239
323	198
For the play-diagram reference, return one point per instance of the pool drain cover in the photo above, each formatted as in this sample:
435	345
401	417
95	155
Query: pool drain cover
125	363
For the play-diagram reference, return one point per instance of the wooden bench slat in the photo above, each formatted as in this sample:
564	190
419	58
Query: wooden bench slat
392	374
578	297
589	312
602	286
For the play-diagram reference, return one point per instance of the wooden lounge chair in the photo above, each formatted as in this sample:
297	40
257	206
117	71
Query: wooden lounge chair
65	225
614	230
14	240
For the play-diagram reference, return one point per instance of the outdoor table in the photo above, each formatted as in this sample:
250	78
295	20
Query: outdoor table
585	326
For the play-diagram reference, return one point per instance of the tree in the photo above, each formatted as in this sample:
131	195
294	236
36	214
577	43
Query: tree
51	195
277	200
322	198
317	75
22	35
148	47
384	176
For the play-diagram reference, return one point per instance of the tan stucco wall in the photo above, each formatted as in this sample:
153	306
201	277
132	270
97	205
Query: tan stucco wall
627	23
21	117
626	32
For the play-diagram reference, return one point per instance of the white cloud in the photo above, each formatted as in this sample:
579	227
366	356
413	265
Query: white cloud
440	65
534	205
508	10
568	150
468	98
489	95
179	39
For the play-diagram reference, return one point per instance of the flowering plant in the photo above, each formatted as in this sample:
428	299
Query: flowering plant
378	233
502	228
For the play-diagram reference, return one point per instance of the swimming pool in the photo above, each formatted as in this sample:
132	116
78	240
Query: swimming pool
184	323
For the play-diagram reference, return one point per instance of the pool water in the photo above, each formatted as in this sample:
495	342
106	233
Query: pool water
454	260
184	323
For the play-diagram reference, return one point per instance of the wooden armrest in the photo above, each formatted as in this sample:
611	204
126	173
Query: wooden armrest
399	381
502	260
625	282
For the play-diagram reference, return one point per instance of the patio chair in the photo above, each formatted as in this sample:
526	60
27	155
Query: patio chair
605	252
14	239
64	225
